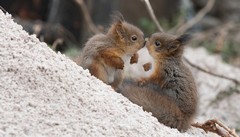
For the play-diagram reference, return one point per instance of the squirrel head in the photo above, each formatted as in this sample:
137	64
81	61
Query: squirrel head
163	45
129	38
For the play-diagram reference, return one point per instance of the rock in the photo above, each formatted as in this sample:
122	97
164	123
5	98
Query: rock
218	97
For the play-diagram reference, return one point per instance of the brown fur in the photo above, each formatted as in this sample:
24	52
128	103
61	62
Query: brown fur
104	54
170	92
147	66
134	58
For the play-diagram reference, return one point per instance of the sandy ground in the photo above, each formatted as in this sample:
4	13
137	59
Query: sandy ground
46	94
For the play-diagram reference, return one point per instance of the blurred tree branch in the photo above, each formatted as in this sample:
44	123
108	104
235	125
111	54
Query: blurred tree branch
56	43
217	127
188	25
87	16
47	32
3	9
197	17
151	12
211	73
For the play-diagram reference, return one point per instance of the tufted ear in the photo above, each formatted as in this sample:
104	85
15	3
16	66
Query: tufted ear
117	17
184	39
178	42
120	30
118	20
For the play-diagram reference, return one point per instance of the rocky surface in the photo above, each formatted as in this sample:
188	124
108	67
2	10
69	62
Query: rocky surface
219	98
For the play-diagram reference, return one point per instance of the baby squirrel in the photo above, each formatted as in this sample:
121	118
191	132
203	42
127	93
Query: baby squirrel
104	54
170	93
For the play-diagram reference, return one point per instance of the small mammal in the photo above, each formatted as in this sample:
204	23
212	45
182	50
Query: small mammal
170	92
104	54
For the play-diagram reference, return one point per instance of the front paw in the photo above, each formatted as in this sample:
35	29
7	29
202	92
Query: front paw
147	66
119	64
134	58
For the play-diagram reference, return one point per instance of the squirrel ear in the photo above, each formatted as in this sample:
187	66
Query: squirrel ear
118	20
120	30
117	17
181	40
184	39
173	45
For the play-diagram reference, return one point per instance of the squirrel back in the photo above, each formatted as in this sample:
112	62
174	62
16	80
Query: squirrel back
91	50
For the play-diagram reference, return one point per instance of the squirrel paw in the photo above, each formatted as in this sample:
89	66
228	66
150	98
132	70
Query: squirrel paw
118	63
120	66
134	58
147	66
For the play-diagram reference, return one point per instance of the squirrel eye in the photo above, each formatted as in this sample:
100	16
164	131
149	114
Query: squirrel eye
134	38
157	43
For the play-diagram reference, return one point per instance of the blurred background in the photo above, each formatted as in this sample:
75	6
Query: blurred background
61	23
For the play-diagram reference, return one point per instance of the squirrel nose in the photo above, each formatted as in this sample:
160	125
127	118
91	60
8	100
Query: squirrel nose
146	39
144	43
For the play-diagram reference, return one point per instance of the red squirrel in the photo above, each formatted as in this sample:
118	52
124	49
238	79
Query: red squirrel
104	54
170	92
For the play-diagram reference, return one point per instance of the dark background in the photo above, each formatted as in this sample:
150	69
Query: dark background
54	20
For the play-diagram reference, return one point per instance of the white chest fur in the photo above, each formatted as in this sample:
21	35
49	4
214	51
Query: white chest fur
136	70
111	74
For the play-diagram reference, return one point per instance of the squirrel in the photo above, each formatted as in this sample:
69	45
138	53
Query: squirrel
170	92
104	54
